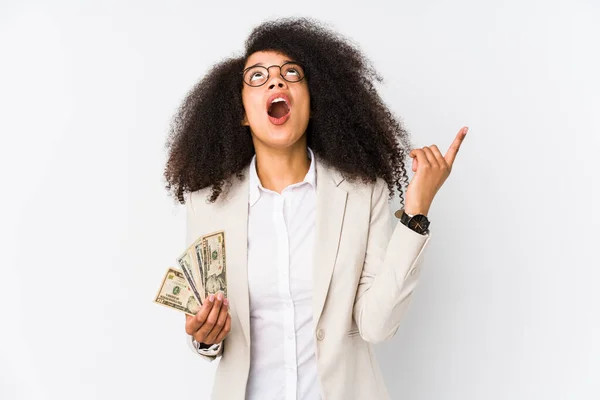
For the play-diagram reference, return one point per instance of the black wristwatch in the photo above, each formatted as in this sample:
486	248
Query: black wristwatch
418	223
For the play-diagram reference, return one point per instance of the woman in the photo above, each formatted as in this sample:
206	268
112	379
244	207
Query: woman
290	150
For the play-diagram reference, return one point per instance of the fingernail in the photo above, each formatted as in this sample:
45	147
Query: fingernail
211	298
466	129
220	296
226	301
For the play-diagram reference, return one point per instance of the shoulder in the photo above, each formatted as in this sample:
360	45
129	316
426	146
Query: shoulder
198	202
371	191
354	187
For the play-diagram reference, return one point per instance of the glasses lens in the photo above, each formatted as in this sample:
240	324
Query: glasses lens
292	72
256	76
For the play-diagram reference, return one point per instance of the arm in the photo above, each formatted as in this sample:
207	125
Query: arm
393	257
207	351
390	272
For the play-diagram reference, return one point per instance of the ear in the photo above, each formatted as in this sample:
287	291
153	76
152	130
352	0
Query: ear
245	121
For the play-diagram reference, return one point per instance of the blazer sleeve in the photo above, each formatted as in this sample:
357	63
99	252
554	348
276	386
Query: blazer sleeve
391	269
216	350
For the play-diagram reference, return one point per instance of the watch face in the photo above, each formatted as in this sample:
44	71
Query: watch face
419	223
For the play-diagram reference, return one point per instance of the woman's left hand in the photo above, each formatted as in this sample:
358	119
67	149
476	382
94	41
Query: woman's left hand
431	171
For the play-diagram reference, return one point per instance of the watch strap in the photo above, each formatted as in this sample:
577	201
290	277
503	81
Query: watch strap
405	219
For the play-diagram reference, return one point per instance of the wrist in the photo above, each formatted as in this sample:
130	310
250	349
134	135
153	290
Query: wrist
415	210
418	222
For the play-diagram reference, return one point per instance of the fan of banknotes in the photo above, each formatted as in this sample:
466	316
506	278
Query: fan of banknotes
202	273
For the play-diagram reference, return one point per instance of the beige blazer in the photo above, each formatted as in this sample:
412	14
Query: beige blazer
365	269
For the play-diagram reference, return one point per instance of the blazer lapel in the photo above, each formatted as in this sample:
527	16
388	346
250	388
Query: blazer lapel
331	206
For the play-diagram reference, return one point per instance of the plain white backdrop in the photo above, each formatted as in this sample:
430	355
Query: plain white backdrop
508	306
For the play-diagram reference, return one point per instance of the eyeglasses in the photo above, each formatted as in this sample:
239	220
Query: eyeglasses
258	75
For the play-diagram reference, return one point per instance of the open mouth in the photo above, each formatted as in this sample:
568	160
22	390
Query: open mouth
278	109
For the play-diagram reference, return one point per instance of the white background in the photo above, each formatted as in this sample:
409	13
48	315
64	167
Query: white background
508	306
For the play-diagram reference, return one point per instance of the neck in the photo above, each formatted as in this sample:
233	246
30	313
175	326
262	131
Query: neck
279	168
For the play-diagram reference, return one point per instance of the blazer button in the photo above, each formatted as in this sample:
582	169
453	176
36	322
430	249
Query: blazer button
320	334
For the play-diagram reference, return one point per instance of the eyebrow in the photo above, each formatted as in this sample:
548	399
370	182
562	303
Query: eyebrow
263	64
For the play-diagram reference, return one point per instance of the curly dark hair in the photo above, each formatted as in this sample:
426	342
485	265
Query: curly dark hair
350	129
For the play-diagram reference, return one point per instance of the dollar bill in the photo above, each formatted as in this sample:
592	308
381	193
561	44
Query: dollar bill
175	293
197	265
189	266
211	250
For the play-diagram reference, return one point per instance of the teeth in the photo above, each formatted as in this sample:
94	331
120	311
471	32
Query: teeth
278	99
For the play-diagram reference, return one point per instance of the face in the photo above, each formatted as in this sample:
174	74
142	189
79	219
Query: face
277	112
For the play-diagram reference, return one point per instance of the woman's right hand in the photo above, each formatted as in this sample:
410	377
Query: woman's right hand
212	323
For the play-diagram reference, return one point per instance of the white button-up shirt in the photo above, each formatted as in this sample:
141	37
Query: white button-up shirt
281	234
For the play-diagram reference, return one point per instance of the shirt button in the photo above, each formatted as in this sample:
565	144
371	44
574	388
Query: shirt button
320	334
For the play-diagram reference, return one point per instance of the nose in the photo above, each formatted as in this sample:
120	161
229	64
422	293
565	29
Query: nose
280	84
275	79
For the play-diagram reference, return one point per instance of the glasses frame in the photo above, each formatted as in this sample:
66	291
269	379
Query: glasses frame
269	73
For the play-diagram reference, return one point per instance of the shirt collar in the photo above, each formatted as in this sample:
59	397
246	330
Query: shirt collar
256	187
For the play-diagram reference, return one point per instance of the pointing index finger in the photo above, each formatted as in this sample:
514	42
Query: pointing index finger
455	146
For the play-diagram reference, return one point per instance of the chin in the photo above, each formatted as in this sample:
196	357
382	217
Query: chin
279	138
